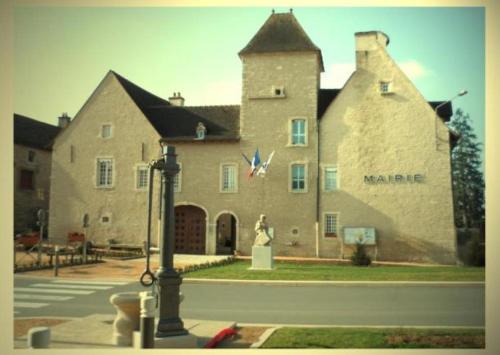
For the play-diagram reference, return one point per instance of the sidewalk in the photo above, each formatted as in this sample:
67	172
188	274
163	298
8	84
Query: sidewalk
95	331
123	269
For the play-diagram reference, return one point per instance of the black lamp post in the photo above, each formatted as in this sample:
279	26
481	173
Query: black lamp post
169	280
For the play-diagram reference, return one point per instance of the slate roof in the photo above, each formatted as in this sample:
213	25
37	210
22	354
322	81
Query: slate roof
179	122
445	111
281	33
33	133
325	98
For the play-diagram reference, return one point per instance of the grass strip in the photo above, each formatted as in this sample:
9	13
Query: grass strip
372	338
285	270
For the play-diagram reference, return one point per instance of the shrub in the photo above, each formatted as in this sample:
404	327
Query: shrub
474	252
360	258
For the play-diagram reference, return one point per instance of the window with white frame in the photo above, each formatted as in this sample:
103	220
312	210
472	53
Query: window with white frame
106	131
330	178
228	178
331	225
299	132
298	179
104	172
142	177
385	87
178	179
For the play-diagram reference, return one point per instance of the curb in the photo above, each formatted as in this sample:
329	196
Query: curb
336	283
186	280
263	337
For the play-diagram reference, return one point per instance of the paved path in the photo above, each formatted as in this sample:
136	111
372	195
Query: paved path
405	305
63	297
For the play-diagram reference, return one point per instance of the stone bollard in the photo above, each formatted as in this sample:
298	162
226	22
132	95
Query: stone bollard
39	338
127	319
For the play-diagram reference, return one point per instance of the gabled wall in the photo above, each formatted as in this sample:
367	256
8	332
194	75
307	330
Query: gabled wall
368	133
74	190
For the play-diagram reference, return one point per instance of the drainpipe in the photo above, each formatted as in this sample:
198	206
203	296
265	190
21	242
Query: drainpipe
318	180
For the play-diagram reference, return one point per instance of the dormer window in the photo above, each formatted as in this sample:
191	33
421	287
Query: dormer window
385	87
201	131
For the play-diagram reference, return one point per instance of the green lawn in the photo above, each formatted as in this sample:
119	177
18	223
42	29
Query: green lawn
369	338
322	272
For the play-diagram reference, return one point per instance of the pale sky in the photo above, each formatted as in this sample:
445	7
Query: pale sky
62	53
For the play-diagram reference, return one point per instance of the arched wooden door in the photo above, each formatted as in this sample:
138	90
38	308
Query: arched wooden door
190	230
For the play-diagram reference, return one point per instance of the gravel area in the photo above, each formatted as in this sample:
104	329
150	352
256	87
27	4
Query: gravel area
21	326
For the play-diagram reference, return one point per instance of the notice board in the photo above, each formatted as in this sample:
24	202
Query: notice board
362	235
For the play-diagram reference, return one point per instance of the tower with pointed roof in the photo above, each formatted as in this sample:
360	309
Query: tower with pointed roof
281	79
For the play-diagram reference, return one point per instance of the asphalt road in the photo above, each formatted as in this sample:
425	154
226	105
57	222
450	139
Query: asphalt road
378	305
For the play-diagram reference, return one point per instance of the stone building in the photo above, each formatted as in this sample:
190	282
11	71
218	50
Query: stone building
370	160
32	164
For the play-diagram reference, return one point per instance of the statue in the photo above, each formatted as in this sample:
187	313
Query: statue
201	131
261	229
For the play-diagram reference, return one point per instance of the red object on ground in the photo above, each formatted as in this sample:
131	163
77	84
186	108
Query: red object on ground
220	337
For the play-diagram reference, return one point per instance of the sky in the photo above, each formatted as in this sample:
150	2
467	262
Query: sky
62	53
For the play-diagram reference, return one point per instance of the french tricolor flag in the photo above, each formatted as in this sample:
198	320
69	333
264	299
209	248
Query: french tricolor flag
255	163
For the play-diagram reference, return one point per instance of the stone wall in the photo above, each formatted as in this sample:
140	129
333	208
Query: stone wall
28	201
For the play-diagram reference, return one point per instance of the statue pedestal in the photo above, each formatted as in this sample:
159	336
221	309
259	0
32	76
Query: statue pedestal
262	258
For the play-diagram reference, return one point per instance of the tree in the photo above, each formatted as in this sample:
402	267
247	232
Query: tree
467	177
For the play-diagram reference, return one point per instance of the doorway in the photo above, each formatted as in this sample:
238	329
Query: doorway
226	234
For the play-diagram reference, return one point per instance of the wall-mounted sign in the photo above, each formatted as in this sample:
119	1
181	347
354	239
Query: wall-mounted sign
364	236
394	179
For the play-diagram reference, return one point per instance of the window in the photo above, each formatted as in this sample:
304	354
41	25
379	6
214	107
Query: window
278	91
26	180
385	87
298	177
299	132
178	179
31	156
106	131
40	194
72	153
228	178
104	172
106	218
331	227
142	177
330	178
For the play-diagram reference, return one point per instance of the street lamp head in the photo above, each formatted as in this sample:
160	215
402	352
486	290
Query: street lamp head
462	93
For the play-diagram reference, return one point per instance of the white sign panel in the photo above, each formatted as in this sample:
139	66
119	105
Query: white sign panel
364	236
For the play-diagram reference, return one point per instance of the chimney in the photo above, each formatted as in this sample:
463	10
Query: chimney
368	42
176	99
64	120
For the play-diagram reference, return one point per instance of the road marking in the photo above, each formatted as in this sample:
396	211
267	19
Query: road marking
29	304
48	290
90	282
91	287
23	296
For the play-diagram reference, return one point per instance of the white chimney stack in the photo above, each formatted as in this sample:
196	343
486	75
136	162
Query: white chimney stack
176	99
367	42
64	120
